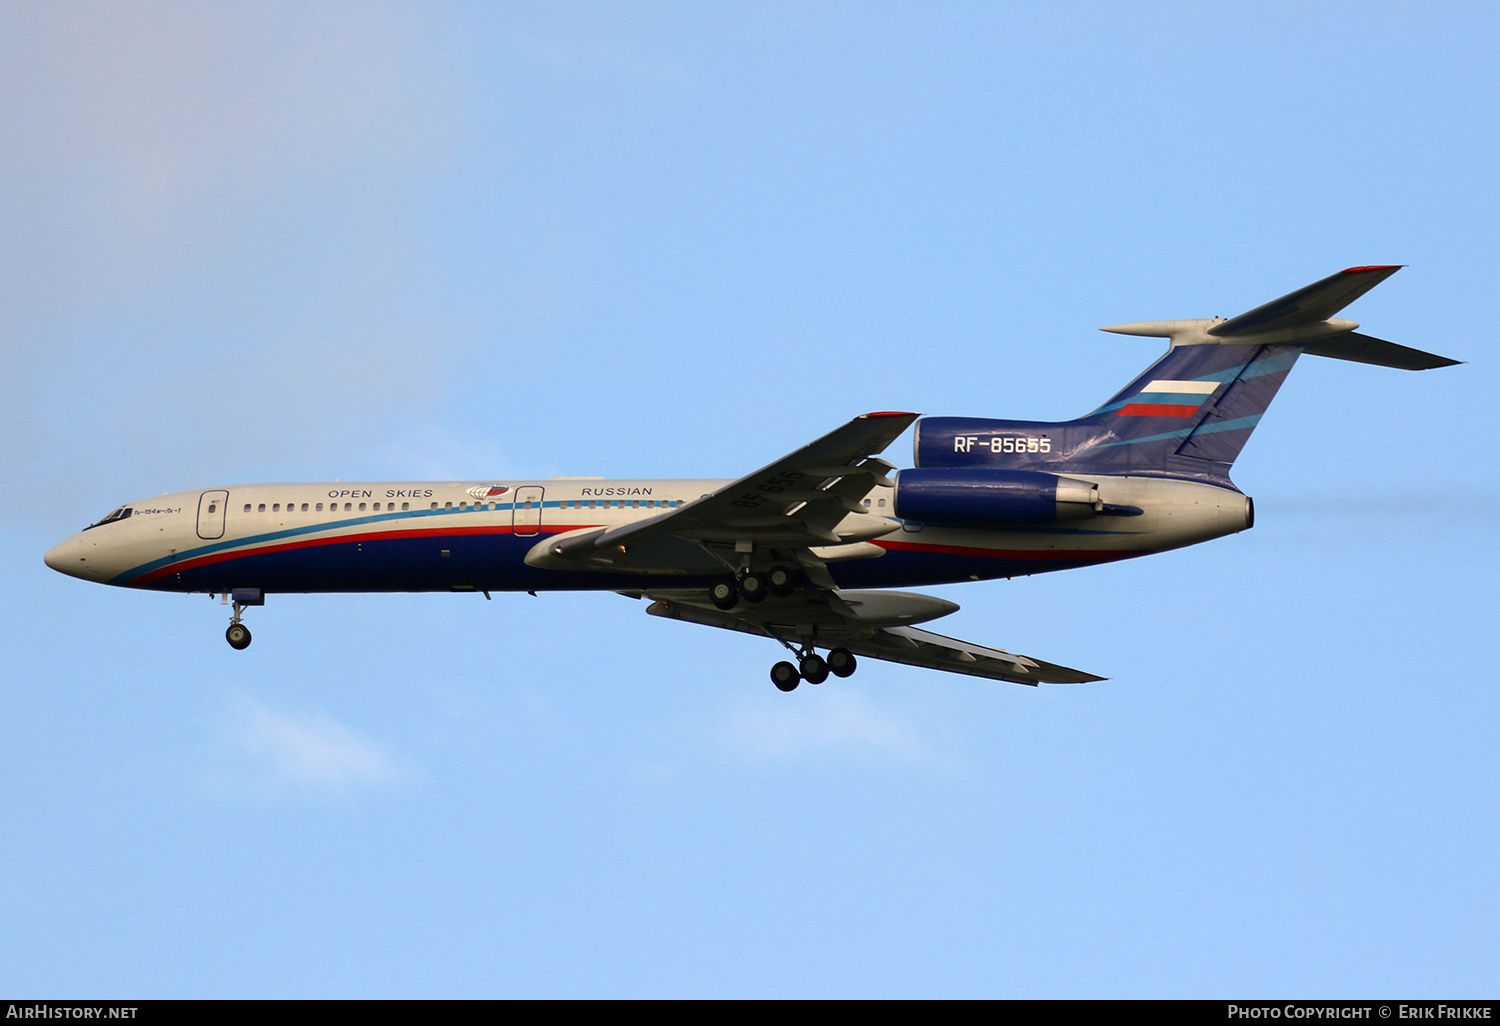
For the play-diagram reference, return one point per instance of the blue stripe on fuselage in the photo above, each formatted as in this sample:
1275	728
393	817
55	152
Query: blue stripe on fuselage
294	532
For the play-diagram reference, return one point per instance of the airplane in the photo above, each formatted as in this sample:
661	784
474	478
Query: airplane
804	551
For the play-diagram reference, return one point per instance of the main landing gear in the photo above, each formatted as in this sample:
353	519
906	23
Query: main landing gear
813	668
752	586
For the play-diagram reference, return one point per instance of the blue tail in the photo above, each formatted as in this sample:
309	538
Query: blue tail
1192	411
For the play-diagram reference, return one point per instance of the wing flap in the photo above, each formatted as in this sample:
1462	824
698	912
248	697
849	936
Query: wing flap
916	647
830	619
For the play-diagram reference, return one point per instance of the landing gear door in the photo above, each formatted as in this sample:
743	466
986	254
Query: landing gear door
526	517
211	514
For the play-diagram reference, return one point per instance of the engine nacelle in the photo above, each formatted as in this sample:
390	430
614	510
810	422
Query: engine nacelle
979	497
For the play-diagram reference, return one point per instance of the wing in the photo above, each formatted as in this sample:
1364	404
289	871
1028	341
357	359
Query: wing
877	624
807	499
798	505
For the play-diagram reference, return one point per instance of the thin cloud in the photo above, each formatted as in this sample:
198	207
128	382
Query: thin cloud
1382	505
204	208
831	723
310	752
598	56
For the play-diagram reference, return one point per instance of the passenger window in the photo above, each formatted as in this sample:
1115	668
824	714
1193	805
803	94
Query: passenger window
636	504
320	507
304	507
406	505
882	504
362	507
434	505
213	507
447	505
463	505
591	503
261	508
275	507
348	506
867	504
247	507
377	507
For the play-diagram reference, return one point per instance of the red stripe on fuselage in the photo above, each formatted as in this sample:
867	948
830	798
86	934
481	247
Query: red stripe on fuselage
307	543
1155	410
1070	555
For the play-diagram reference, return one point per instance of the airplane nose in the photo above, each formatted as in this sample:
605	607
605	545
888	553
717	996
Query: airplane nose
63	557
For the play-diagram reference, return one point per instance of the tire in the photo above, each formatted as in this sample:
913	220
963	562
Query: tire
784	675
841	662
754	588
813	668
238	636
783	580
723	594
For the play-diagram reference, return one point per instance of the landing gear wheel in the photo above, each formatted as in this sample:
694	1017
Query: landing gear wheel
841	662
724	594
783	580
238	636
813	669
754	587
784	675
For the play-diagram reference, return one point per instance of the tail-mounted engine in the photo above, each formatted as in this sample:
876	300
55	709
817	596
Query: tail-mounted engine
980	497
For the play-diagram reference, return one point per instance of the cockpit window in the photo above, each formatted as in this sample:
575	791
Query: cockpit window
119	514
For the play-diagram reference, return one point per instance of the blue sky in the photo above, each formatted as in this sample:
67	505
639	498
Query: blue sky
301	242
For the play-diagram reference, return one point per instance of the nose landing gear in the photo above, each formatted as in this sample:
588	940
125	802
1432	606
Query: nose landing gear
238	635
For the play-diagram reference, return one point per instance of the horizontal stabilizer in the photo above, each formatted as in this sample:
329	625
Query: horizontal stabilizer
1363	349
1310	305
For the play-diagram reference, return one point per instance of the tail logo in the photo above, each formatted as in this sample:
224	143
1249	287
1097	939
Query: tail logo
1163	398
488	491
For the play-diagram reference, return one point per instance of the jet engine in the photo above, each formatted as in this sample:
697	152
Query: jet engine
979	497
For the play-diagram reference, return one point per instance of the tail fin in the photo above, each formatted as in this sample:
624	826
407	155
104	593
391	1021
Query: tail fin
1192	411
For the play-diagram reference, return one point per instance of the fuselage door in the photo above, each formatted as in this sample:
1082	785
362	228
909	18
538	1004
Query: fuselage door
211	514
526	518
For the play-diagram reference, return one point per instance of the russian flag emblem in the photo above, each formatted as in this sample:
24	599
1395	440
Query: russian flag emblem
1169	399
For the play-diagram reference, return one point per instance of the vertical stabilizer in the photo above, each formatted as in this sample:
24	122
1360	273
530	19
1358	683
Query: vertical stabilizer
1192	411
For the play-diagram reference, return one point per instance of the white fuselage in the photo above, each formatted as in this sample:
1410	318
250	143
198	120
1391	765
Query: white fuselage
462	535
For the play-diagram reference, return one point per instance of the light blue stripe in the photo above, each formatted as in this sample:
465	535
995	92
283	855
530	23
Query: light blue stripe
293	532
1237	424
1183	433
1257	368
